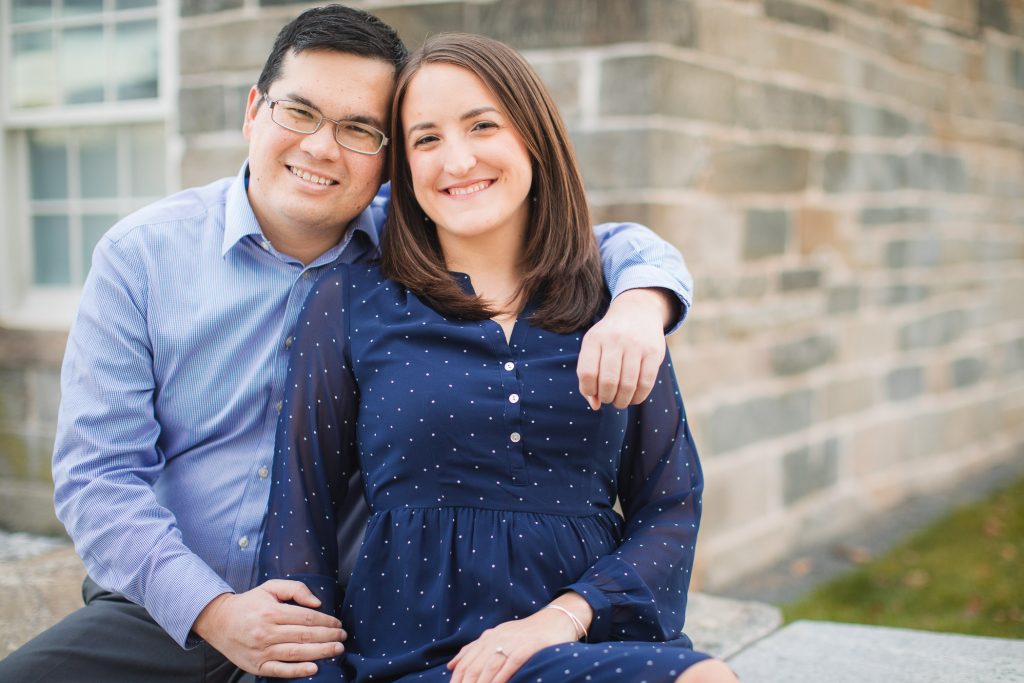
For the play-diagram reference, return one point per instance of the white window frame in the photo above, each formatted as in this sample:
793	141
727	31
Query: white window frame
22	304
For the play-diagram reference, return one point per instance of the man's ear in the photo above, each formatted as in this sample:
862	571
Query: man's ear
252	107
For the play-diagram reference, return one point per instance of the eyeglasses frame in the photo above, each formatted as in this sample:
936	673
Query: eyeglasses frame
271	103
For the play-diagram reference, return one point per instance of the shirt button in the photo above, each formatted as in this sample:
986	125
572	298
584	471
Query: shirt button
515	437
306	274
243	542
513	398
288	342
264	472
510	366
278	406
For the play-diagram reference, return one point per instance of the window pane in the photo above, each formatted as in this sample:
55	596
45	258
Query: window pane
48	160
132	4
51	247
97	163
31	10
137	56
34	69
147	172
83	64
76	8
93	227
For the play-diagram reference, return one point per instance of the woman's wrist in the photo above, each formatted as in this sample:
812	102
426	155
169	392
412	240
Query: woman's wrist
575	611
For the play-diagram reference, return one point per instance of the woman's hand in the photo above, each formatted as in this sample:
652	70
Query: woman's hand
499	652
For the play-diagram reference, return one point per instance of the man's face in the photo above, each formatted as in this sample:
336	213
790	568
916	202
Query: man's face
309	184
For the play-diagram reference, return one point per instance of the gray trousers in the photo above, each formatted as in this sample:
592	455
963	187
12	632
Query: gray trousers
112	640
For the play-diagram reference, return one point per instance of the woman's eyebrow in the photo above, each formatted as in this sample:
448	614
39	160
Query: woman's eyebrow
468	115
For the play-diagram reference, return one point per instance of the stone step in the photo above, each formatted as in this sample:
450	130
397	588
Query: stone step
41	582
822	651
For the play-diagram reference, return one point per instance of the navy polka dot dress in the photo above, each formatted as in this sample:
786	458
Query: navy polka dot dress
490	485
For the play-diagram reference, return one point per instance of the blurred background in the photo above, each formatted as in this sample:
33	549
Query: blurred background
844	177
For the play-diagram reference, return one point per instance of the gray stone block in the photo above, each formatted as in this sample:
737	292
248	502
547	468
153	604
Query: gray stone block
937	172
796	13
919	253
857	119
890	215
814	651
994	14
964	372
766	233
15	403
904	383
563	81
644	159
808	470
235	46
775	107
758	168
191	8
45	383
27	505
415	22
659	85
843	299
897	295
735	425
535	24
864	172
935	330
802	278
202	109
803	354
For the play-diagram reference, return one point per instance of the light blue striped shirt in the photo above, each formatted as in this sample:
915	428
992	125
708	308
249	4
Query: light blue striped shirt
172	382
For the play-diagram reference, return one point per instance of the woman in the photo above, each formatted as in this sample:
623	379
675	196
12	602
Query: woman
493	548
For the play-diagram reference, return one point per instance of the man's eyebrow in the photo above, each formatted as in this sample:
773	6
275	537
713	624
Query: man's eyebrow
468	115
358	118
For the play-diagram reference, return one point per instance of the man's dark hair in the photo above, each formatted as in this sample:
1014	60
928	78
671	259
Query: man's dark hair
334	28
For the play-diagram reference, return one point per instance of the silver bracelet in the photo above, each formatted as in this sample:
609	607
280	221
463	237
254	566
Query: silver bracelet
576	623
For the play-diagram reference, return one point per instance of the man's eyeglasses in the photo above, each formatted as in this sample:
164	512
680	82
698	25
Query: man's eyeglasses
351	135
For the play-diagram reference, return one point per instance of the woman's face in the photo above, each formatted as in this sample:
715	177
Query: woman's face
471	171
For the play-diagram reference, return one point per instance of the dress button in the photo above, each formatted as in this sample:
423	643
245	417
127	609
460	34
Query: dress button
243	542
515	437
513	398
278	406
510	366
264	472
288	341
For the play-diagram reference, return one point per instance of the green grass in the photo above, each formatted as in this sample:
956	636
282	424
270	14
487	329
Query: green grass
964	574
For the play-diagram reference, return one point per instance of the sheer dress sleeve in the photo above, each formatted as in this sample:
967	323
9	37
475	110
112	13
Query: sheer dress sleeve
639	591
314	455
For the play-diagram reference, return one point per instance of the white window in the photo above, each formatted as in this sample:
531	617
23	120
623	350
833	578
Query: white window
84	136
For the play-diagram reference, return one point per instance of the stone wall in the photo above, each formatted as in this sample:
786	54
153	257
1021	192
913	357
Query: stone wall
846	180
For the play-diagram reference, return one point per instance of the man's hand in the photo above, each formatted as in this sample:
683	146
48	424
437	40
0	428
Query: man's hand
621	354
262	635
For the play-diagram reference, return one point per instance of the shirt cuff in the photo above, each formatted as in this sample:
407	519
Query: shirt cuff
601	625
182	588
647	277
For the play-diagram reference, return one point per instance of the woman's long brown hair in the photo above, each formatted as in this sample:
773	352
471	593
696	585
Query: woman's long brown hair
561	264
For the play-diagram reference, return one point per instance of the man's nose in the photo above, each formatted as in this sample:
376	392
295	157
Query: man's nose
322	144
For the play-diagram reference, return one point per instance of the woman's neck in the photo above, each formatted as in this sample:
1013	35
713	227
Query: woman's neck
494	267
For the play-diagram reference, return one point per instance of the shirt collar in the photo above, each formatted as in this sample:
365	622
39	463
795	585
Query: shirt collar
240	221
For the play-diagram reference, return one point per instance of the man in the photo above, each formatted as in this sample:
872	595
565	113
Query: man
173	375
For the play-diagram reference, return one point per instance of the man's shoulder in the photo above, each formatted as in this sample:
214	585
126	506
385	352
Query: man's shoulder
172	216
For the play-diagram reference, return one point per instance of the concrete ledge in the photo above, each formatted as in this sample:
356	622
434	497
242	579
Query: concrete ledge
816	651
41	581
